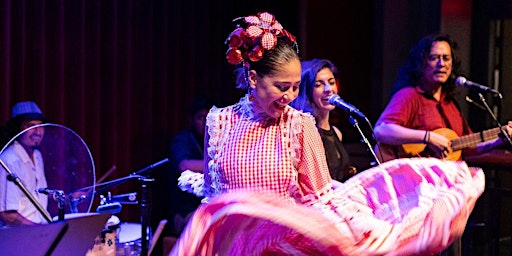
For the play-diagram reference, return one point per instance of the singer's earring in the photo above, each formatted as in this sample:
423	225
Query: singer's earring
251	97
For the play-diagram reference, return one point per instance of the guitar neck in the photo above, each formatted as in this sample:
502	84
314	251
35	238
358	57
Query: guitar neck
475	138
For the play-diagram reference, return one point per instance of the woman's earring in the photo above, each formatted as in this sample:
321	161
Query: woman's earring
251	97
249	91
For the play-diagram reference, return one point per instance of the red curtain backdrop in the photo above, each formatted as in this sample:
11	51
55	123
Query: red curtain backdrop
121	74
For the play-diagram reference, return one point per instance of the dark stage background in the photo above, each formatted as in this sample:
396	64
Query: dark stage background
122	74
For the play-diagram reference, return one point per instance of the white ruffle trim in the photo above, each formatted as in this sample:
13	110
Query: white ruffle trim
192	182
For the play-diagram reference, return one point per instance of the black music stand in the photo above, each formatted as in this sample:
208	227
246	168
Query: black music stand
81	233
37	240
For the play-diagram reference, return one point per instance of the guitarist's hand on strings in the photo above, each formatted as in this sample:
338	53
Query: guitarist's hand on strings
499	143
509	131
438	144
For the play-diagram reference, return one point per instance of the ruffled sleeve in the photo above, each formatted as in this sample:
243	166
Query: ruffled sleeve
313	174
192	182
218	121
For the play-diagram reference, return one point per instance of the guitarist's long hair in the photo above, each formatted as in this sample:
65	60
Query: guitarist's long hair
411	72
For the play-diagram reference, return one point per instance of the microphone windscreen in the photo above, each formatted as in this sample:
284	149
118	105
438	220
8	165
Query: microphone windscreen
460	81
333	99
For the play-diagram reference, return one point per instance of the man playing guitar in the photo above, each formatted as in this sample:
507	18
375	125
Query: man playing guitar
422	117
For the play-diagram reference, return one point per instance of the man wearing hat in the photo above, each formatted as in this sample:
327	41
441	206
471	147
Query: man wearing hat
24	159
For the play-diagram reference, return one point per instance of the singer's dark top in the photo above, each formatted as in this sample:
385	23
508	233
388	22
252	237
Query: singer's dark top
338	159
412	108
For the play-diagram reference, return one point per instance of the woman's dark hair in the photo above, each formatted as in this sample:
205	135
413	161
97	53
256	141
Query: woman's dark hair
271	62
310	69
411	72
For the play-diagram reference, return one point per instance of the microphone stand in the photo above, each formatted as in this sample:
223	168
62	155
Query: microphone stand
14	178
58	195
61	201
354	122
109	184
504	133
145	213
144	201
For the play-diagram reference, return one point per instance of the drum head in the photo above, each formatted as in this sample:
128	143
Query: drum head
68	166
129	232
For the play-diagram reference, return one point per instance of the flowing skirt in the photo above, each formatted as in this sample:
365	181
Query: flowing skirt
402	207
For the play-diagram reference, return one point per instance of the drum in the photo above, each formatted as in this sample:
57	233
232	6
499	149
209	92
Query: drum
74	215
129	240
68	168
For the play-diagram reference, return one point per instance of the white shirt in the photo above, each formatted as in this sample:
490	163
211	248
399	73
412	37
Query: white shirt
31	174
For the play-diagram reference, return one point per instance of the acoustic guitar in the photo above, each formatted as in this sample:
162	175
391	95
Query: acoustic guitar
458	143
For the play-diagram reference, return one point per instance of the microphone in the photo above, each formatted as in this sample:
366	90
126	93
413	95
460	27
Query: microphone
462	81
337	101
151	167
55	193
48	191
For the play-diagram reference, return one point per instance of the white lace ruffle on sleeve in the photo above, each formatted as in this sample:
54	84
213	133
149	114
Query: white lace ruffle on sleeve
192	182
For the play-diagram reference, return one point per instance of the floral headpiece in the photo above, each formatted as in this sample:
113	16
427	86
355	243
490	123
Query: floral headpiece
261	34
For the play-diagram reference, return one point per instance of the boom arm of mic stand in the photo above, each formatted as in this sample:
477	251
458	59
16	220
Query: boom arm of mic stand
138	174
104	187
12	177
109	184
504	133
356	124
151	167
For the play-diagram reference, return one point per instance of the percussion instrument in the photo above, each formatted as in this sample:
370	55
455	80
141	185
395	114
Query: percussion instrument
129	240
68	167
118	239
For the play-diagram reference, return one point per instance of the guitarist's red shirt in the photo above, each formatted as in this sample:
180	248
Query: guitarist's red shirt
410	107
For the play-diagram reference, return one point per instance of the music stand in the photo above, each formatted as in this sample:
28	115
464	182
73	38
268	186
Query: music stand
81	233
37	240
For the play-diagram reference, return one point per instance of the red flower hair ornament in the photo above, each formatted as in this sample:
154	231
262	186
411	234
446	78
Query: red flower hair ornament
261	34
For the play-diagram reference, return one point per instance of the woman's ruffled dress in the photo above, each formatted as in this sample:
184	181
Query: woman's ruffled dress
268	192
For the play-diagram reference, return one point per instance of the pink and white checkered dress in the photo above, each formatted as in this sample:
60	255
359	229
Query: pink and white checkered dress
269	192
250	152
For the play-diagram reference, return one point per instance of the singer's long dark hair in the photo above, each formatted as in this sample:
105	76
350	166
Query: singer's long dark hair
411	72
310	69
